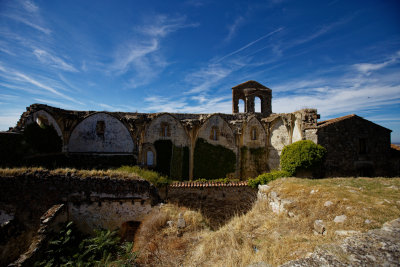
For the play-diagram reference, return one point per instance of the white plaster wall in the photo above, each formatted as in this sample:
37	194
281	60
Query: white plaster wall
226	136
108	215
261	136
178	134
116	137
278	139
297	136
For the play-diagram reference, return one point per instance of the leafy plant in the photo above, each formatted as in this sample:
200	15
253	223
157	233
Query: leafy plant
265	178
212	161
302	155
151	176
70	248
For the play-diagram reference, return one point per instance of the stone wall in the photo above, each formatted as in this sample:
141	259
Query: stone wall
217	202
100	133
355	146
91	202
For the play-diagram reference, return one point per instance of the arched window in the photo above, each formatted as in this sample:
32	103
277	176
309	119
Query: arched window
214	135
150	158
241	105
254	133
165	130
257	104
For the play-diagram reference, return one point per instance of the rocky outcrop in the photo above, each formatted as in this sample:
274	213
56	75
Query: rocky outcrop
379	247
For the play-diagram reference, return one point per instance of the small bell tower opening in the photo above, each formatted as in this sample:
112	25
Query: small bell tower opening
247	92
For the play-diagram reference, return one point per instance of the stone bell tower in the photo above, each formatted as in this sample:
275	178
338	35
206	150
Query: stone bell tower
247	91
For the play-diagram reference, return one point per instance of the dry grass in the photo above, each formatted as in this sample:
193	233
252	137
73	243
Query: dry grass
63	171
160	244
263	236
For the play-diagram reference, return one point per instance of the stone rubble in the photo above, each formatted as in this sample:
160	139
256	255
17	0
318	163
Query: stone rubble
378	247
340	219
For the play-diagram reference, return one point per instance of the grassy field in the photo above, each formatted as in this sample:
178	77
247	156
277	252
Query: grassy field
261	235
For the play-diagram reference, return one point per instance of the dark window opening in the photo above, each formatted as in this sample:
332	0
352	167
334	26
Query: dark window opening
165	130
253	133
100	128
214	133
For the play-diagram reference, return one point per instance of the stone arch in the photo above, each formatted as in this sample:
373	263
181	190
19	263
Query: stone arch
279	138
226	136
170	143
253	153
166	127
100	133
43	117
248	141
215	158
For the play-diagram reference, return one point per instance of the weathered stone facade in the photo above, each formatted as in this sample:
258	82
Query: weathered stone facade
256	139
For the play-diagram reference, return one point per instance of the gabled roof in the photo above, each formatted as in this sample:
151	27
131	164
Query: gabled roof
322	124
251	84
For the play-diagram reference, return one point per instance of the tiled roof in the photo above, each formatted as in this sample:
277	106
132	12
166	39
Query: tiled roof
327	122
208	184
331	121
396	147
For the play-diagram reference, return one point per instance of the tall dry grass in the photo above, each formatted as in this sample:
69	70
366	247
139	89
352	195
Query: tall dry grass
161	244
263	236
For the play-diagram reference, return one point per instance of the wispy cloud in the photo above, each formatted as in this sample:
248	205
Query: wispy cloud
185	105
141	55
18	78
54	61
26	12
249	44
233	28
367	68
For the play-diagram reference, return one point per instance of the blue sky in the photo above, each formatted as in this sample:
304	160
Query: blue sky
338	56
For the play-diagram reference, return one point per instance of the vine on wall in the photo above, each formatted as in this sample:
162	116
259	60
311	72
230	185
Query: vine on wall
212	161
172	160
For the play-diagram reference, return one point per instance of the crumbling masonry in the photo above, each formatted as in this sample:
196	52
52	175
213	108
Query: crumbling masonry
249	141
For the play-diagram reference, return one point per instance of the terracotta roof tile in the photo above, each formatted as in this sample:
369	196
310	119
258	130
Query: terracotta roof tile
206	184
396	147
328	122
321	124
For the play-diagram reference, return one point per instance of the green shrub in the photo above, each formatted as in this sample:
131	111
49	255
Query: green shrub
151	176
302	155
69	247
265	178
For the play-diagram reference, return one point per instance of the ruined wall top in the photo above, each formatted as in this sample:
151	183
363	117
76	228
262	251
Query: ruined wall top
247	92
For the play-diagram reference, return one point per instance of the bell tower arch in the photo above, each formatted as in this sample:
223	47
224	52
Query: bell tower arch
247	91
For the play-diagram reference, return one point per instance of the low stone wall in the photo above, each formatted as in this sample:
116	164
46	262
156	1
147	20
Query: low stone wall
217	201
91	202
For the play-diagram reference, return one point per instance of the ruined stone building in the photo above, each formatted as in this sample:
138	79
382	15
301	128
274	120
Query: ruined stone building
242	144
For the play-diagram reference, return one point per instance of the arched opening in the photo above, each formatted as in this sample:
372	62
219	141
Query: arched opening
241	105
128	230
42	136
257	104
150	158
